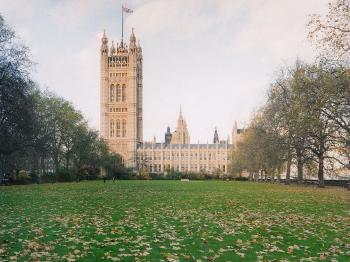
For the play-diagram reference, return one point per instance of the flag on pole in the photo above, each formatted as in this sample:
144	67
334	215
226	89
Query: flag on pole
127	10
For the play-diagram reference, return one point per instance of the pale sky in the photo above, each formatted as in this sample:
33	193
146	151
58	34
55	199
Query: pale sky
214	58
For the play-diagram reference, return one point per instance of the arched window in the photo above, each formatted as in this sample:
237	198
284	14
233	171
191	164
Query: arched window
118	93
124	128
111	128
111	93
123	93
118	127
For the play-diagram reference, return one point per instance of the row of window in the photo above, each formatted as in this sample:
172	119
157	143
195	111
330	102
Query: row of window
117	93
193	156
117	128
117	109
119	64
118	59
118	74
158	168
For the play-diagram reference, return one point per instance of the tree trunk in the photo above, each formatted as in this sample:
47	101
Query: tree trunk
67	160
300	166
56	163
320	171
289	163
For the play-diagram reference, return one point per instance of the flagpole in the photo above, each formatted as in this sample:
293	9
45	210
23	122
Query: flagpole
122	26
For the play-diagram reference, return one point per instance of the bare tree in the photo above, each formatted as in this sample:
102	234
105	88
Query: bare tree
332	33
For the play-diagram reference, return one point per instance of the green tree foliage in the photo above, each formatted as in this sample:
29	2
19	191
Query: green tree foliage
16	105
43	135
259	152
305	121
308	107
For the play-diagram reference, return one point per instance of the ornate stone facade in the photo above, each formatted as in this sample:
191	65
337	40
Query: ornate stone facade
182	156
181	135
121	120
121	97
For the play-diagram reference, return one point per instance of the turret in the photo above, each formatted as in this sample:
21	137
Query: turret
104	121
132	45
236	134
181	121
112	50
139	49
168	136
216	137
104	43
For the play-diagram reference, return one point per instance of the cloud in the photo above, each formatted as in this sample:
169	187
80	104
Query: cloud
277	27
75	13
216	58
179	19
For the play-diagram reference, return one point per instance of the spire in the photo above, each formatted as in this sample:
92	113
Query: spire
104	43
112	48
181	135
216	137
104	38
132	45
132	37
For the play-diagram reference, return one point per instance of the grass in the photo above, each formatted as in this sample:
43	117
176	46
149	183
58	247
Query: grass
173	220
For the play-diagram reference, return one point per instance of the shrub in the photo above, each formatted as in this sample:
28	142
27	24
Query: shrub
64	175
158	176
34	177
174	175
48	177
23	177
143	175
194	176
241	178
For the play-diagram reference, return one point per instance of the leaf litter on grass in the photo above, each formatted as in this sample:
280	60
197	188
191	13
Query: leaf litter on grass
170	221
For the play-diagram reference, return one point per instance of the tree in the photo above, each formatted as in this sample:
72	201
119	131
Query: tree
337	110
259	151
332	32
313	98
236	166
285	117
114	165
17	125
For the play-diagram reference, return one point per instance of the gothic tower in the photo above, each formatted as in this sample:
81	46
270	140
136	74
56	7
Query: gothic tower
121	97
236	135
181	134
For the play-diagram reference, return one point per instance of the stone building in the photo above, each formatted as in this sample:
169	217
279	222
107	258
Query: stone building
179	154
121	87
121	114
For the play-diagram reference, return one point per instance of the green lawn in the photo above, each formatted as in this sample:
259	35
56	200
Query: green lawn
173	220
